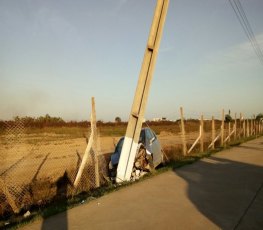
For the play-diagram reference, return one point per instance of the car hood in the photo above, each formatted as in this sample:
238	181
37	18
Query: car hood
115	158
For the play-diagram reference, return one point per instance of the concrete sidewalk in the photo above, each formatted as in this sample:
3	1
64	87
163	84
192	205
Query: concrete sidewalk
221	192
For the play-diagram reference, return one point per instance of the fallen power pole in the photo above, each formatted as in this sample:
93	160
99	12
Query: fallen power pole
140	99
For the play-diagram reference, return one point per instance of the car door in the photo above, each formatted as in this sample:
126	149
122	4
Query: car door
154	146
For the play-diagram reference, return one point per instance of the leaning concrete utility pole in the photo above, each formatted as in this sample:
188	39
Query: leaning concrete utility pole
140	99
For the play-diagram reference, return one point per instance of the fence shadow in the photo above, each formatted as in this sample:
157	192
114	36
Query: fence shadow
63	185
222	190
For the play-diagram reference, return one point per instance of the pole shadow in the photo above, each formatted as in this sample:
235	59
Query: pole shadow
224	191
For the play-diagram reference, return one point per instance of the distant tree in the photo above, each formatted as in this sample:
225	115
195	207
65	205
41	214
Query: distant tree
259	116
117	119
16	118
228	118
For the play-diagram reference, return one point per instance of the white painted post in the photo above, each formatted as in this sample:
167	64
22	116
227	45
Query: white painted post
183	131
131	139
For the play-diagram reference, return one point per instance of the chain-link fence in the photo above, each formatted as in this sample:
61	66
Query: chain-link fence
36	168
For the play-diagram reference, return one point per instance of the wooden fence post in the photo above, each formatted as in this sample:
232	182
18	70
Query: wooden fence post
244	128
213	132
92	144
248	133
235	135
251	127
240	126
95	142
229	130
183	131
196	141
202	134
222	128
8	196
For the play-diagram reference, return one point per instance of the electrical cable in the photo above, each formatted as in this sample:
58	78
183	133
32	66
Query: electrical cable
249	28
242	18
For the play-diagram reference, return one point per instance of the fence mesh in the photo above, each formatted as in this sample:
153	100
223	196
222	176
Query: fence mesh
36	168
39	167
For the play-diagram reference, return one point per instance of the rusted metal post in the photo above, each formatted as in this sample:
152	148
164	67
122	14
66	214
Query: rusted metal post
183	132
131	140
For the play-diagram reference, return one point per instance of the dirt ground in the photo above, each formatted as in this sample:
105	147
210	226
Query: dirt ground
48	155
31	162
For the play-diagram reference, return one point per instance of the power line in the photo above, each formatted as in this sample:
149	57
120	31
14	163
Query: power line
242	18
248	26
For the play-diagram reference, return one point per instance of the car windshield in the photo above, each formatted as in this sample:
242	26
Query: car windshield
142	137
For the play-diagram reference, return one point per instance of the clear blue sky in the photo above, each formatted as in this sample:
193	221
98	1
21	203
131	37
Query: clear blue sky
56	54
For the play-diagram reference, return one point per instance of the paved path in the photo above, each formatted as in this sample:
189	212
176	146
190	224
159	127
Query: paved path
221	192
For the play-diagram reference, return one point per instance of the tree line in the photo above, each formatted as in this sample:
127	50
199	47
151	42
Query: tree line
49	121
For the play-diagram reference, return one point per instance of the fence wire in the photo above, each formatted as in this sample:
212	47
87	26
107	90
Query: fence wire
37	168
